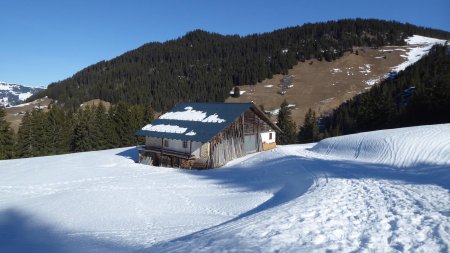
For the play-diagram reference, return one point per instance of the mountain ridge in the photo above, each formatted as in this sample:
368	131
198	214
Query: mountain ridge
204	66
14	94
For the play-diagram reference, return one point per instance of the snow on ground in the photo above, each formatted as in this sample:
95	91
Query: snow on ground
422	47
24	96
365	69
380	147
240	92
277	111
418	47
371	82
383	191
273	112
335	70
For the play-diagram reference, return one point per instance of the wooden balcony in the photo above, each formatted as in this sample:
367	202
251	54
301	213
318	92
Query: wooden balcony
144	150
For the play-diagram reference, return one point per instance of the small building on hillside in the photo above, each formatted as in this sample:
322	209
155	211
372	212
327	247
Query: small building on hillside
206	135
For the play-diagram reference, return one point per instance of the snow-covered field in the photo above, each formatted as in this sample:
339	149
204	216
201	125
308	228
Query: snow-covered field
383	191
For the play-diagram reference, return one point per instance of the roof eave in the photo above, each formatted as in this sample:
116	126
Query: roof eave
265	118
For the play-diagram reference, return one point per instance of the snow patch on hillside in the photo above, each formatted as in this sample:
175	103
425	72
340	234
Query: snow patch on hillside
13	94
422	47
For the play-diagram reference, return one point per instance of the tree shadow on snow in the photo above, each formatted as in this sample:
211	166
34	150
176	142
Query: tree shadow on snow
19	232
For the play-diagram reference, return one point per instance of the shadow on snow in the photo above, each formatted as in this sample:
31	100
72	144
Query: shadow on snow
291	176
131	153
19	232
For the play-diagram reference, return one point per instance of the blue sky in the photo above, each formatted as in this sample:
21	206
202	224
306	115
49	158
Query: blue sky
46	41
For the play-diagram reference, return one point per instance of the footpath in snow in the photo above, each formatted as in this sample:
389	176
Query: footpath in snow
382	191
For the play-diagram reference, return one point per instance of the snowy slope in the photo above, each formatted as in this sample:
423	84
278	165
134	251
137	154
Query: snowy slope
296	198
419	46
403	147
13	94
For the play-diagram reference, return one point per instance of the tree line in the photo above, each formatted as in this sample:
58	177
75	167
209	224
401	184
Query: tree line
59	131
204	66
419	95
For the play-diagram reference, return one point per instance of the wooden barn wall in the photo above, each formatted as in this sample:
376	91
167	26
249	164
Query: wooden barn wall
253	124
227	145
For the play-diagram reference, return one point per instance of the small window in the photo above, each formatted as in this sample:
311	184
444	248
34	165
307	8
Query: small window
166	143
270	136
184	144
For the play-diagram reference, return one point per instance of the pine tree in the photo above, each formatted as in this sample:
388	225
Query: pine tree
122	121
104	128
287	126
6	137
25	137
309	132
149	115
59	130
236	92
86	135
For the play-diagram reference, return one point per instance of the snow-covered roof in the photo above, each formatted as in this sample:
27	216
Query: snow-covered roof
196	121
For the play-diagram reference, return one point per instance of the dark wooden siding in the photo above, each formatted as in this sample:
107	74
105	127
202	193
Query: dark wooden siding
253	124
227	145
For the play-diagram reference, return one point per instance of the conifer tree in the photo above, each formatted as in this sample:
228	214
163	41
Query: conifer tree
236	92
86	134
104	128
149	115
122	121
6	137
26	137
309	132
59	130
287	126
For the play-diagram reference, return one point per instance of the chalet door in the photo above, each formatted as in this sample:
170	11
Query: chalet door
250	143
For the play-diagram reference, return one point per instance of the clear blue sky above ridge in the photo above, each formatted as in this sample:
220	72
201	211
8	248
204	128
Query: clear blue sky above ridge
50	40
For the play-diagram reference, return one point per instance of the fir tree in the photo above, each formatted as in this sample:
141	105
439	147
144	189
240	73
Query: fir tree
59	130
236	92
309	132
123	124
86	135
26	137
6	137
287	126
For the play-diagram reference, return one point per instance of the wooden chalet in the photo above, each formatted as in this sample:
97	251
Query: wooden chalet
206	135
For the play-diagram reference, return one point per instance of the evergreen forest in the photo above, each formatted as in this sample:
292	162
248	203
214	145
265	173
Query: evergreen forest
59	131
419	95
204	66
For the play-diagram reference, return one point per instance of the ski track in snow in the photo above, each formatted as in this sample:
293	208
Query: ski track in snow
382	191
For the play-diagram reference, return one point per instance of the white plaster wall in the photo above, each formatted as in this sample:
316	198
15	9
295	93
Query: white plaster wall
265	137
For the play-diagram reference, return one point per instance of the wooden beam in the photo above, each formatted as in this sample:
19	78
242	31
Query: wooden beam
162	148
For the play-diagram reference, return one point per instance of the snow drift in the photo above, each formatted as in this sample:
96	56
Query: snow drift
403	147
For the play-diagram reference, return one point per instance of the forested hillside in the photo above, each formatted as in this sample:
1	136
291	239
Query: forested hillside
59	131
203	66
418	95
